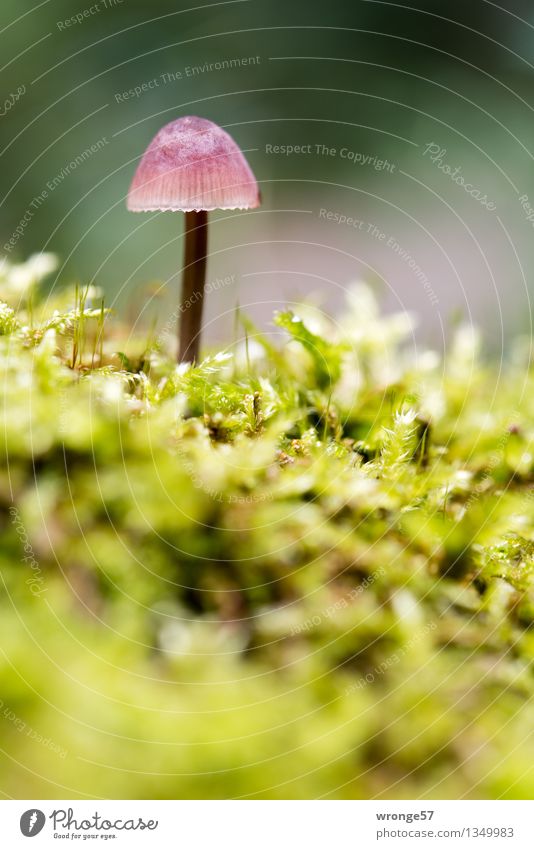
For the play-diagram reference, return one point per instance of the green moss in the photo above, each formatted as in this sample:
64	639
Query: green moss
294	572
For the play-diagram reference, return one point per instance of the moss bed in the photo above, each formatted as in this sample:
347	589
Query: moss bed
301	569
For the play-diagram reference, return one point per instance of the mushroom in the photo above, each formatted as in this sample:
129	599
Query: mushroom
193	166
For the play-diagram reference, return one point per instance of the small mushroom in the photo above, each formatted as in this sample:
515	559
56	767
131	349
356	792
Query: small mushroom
192	165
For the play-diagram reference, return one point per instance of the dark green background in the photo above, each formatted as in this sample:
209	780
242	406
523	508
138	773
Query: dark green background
379	76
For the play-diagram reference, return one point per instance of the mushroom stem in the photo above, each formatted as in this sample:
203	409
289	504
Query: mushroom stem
193	279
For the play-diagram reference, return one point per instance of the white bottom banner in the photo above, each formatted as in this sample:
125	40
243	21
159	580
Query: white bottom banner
268	824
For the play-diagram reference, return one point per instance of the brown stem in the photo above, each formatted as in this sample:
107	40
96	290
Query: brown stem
193	279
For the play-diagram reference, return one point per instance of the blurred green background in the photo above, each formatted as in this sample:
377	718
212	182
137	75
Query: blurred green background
379	78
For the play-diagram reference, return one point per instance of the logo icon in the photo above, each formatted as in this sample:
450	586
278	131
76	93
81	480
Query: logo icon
32	822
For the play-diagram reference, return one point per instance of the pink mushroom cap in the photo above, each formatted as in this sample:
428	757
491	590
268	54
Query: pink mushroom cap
191	165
